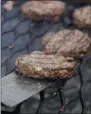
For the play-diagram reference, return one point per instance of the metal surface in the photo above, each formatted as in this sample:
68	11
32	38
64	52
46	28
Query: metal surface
20	89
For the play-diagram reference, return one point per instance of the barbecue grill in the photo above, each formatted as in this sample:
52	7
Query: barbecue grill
20	36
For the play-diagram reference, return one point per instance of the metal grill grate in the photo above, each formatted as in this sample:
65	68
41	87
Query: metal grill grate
21	36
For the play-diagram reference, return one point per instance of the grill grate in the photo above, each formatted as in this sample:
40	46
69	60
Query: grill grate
15	28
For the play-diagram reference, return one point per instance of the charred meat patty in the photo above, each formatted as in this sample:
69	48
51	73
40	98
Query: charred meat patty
39	10
82	17
71	43
39	65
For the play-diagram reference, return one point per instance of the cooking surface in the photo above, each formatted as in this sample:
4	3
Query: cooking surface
20	36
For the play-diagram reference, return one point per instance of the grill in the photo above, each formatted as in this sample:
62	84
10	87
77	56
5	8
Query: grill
21	35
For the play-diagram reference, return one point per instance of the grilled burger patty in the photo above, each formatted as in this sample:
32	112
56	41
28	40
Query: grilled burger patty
39	65
39	10
72	43
82	17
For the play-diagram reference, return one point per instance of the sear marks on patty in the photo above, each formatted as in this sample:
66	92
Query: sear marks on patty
39	65
82	17
71	43
39	10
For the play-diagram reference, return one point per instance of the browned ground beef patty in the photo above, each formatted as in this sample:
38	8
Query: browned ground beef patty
82	17
71	43
39	10
39	65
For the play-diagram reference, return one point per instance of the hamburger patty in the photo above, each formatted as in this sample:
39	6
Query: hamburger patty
39	10
39	65
71	43
82	17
